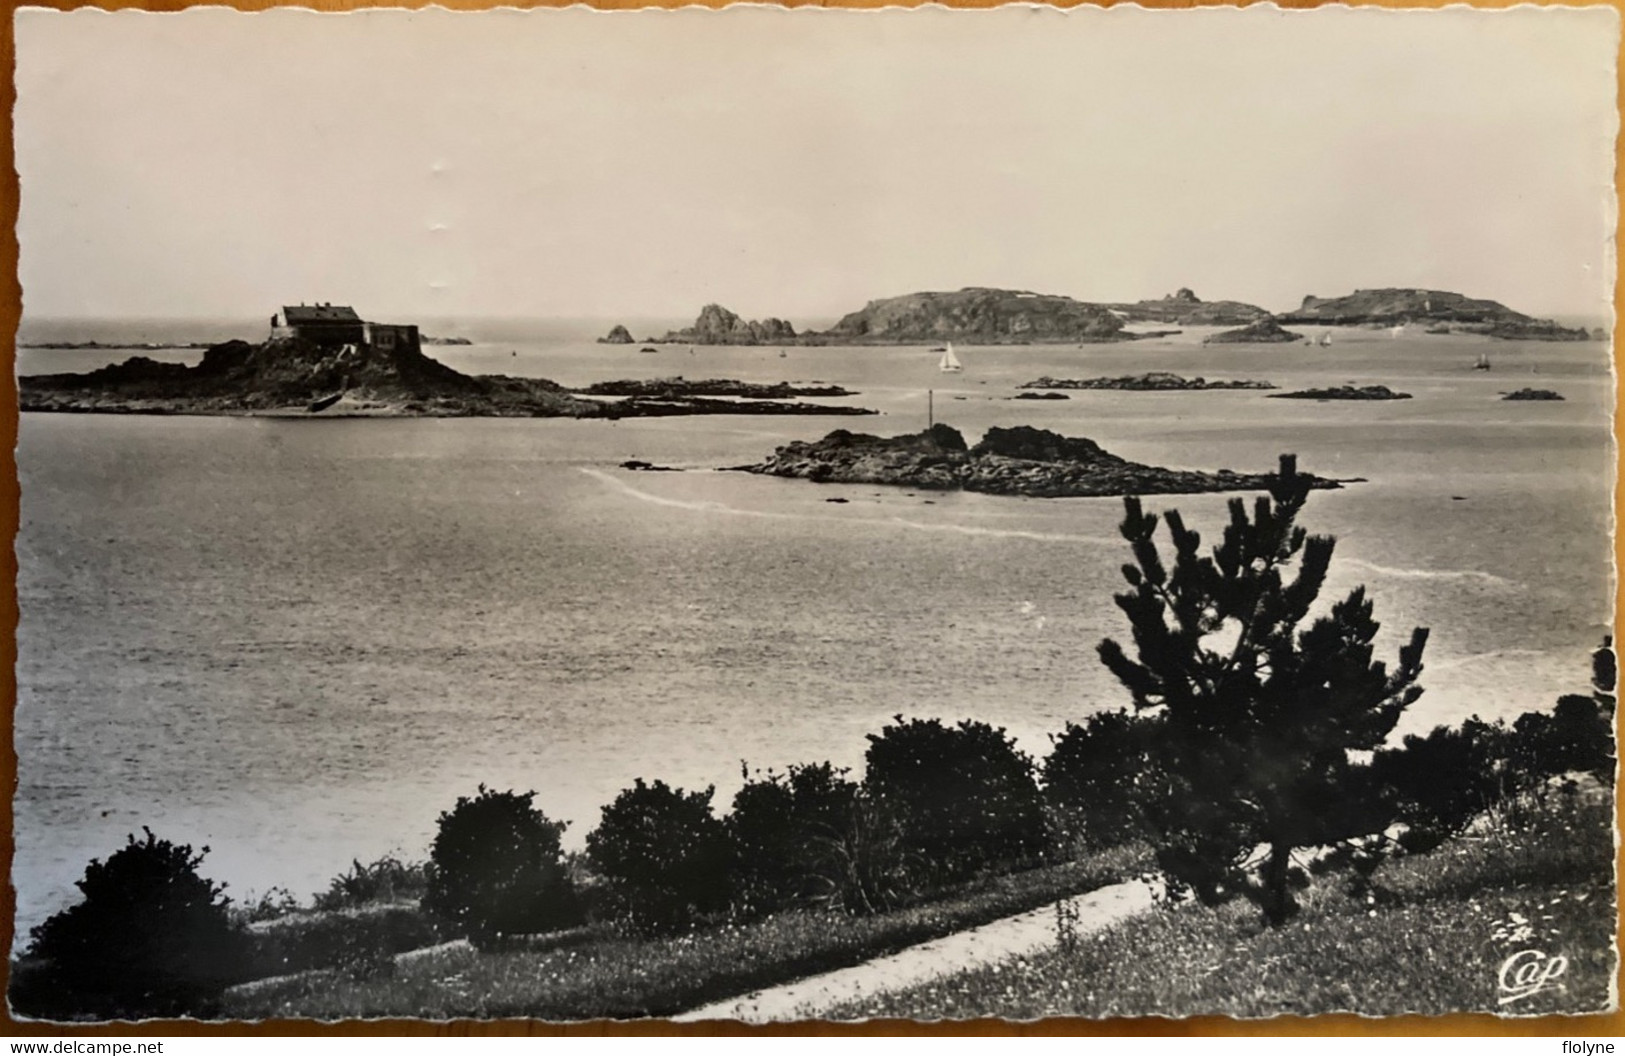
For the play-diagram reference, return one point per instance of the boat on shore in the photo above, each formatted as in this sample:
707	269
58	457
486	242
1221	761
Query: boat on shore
324	402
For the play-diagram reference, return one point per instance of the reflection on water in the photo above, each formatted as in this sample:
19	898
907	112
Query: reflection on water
298	641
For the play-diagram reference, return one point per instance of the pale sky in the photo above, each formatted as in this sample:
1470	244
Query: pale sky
798	164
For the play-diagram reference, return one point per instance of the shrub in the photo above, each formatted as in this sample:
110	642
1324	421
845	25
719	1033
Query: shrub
1097	775
1442	781
780	831
963	797
1578	735
495	871
663	857
388	879
151	938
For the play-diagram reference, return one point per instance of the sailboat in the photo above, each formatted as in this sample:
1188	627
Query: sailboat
1326	339
1483	361
950	363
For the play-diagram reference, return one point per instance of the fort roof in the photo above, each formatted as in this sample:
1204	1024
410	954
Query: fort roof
299	315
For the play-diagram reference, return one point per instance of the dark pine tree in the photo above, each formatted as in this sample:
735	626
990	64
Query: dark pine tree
1259	717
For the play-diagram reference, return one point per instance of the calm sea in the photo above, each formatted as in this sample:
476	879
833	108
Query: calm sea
298	641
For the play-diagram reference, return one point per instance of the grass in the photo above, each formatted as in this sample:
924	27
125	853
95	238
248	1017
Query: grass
1432	941
607	976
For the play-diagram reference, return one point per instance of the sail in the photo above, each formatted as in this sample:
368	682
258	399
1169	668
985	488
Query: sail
950	363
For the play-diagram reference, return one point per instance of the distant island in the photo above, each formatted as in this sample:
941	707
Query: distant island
1532	394
1442	311
1017	461
991	316
145	346
1344	392
307	374
1151	381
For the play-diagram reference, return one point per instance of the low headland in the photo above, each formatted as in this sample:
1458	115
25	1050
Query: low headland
297	377
1151	381
1016	461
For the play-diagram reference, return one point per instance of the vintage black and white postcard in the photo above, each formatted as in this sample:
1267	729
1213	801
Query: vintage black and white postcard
770	515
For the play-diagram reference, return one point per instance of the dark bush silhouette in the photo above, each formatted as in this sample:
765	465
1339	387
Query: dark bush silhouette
963	797
781	831
152	938
495	871
1259	716
1578	735
1098	774
663	857
1441	782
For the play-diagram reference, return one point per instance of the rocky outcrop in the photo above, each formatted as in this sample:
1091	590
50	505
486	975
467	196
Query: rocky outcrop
978	315
1187	309
1152	381
1016	461
294	376
1344	392
1266	331
1532	394
618	335
428	340
716	325
667	387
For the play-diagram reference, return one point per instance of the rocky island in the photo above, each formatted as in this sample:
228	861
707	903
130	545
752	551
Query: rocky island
1151	381
1016	461
979	315
1344	392
1442	311
1186	309
295	375
1265	331
618	335
669	387
1532	394
716	325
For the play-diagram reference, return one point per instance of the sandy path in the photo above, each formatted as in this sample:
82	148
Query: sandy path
1014	936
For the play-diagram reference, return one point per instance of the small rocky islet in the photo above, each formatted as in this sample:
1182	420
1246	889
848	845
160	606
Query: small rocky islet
1016	461
1344	392
1151	381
